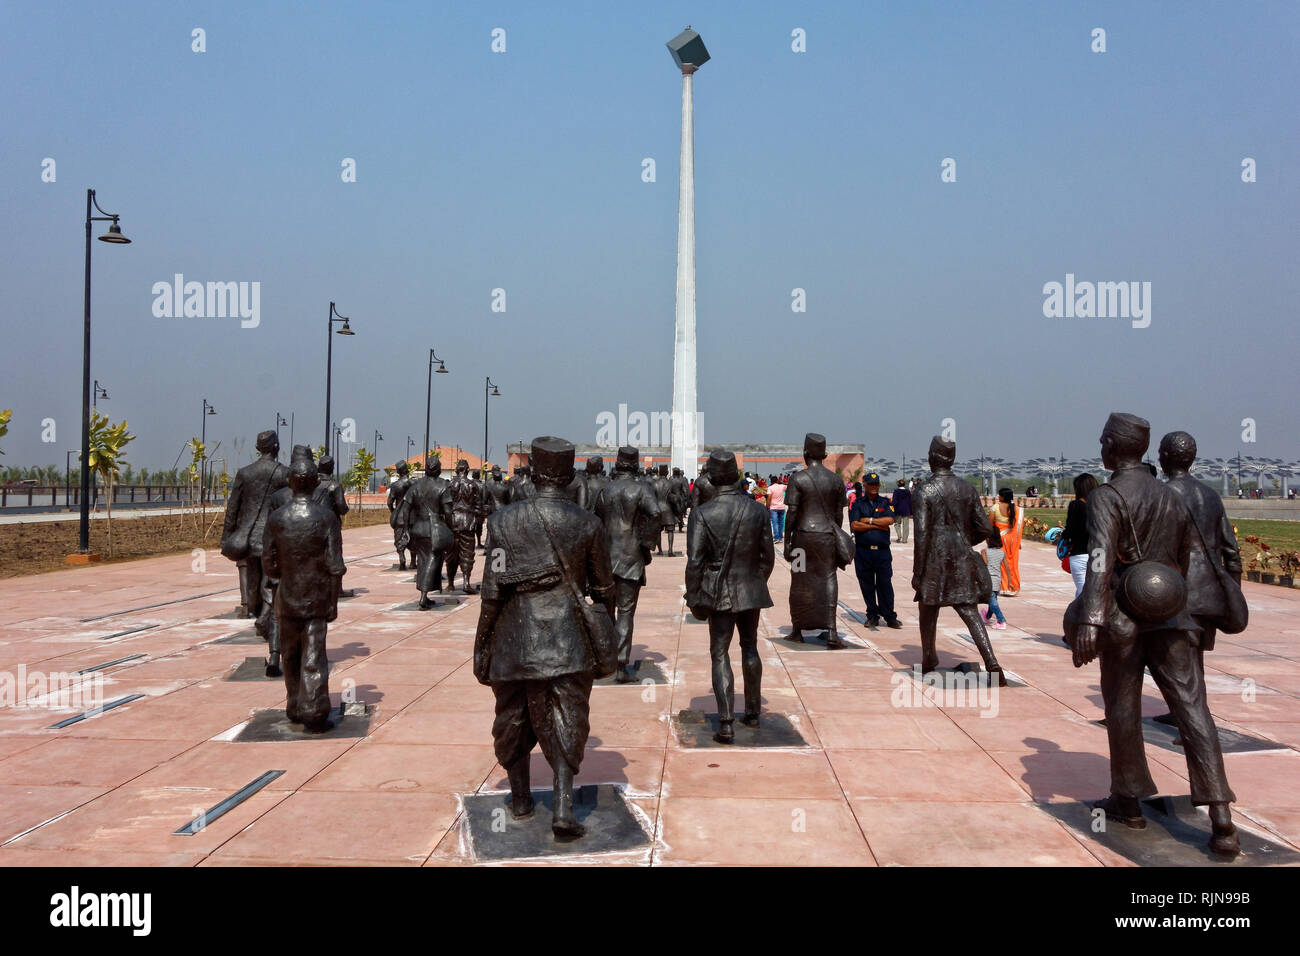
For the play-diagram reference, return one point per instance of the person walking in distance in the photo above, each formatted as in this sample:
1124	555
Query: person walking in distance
776	507
1076	530
902	503
730	555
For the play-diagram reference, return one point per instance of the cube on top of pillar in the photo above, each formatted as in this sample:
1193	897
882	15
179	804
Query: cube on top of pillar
688	51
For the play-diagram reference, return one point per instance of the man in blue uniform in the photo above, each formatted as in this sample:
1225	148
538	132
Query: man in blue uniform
870	518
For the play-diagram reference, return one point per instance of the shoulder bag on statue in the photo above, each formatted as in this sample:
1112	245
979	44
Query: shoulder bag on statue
598	627
1236	614
844	544
236	550
711	580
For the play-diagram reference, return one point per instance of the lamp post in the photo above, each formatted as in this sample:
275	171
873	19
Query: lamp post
428	397
203	459
689	55
334	316
374	476
279	421
482	471
114	235
98	393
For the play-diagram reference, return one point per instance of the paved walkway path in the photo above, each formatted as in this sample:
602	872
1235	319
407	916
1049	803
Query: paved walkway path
884	778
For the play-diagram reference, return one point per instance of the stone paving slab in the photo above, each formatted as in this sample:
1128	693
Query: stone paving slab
888	771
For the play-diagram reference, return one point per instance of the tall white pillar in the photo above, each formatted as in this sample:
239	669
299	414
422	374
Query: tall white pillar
685	447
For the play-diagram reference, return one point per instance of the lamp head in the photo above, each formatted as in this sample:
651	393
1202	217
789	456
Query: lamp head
114	235
345	329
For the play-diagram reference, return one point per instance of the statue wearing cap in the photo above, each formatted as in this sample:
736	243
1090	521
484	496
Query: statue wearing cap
496	492
540	644
396	491
424	520
466	506
629	513
329	490
247	509
659	482
521	485
729	557
1133	613
594	479
302	548
945	571
814	501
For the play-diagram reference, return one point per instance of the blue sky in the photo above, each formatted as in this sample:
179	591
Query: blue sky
522	171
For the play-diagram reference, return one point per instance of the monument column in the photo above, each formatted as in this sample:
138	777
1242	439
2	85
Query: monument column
689	54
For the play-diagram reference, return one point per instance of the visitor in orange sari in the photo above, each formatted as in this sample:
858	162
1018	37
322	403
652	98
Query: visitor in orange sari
1009	520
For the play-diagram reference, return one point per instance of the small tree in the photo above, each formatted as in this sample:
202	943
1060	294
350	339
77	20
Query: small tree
358	475
5	415
105	457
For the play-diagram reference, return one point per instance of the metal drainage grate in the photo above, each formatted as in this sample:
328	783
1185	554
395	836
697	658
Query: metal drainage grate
225	806
94	712
100	667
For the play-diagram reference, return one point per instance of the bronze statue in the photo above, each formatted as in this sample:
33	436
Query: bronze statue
679	497
496	492
1133	612
1214	568
329	491
539	643
948	521
520	486
815	505
466	504
302	548
247	508
702	490
659	482
396	490
596	479
730	556
424	518
629	512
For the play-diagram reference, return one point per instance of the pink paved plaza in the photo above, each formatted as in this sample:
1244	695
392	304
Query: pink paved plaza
885	778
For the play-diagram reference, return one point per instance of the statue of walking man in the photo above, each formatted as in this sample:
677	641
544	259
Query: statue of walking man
815	506
536	645
730	556
946	572
466	508
247	510
302	548
424	520
396	490
1133	614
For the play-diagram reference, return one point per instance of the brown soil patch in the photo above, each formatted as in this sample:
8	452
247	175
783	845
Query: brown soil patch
32	548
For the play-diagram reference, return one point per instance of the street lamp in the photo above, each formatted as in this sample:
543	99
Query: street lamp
334	316
280	421
114	235
374	476
203	459
428	398
99	392
494	393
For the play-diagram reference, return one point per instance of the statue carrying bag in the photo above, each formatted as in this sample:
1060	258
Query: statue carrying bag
711	580
235	550
845	547
1135	575
597	625
1236	615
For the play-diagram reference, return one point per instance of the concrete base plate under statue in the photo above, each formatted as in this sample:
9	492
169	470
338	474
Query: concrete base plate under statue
271	726
249	636
696	729
496	835
439	603
1176	834
645	670
815	641
253	669
238	614
1166	736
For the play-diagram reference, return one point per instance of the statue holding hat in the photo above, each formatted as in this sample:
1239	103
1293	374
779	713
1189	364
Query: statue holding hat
1133	613
946	572
247	508
540	644
629	512
814	501
424	520
303	550
729	557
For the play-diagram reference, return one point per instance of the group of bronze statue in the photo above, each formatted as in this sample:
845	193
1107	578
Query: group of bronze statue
566	553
